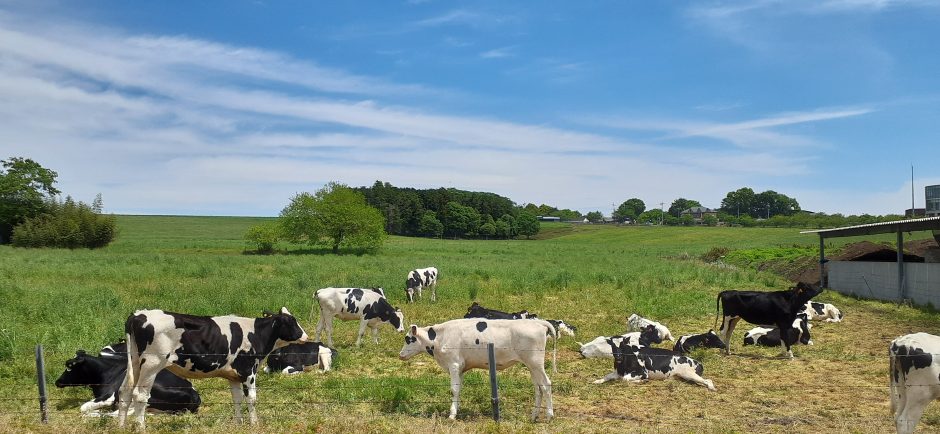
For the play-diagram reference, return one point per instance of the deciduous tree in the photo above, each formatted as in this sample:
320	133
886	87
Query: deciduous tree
335	215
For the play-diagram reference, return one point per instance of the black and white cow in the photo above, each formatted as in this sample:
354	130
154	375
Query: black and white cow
477	311
638	364
636	323
822	312
371	308
915	378
708	339
770	336
419	279
602	346
777	308
298	358
461	345
105	374
190	346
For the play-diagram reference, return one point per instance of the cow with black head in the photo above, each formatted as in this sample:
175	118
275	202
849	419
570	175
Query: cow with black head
775	309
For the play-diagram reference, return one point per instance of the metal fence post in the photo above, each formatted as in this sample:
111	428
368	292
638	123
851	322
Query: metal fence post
494	390
41	381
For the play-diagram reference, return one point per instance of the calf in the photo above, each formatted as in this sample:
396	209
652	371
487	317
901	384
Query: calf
914	367
708	339
477	311
601	346
419	279
637	323
298	358
229	347
770	337
778	308
105	374
822	311
461	345
371	308
639	364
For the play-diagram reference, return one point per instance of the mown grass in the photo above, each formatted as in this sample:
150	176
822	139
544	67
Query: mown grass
592	276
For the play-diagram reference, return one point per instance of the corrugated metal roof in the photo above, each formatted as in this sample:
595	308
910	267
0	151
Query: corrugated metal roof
921	224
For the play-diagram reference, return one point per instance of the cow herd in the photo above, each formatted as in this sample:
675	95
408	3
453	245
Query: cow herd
161	350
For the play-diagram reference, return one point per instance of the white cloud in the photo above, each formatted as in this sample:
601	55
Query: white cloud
498	53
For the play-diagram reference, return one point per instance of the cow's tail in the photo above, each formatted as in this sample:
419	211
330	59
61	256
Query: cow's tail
717	309
314	306
554	334
125	393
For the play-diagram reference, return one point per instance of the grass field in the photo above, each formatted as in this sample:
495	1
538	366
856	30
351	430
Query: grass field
591	276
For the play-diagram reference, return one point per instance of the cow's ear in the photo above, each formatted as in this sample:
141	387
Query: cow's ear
414	330
80	353
711	330
267	313
284	310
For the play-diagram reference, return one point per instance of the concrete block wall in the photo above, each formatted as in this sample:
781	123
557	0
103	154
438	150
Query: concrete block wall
879	280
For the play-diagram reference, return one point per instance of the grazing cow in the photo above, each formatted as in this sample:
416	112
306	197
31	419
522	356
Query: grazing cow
770	336
638	364
601	346
822	311
105	374
708	339
915	378
298	358
477	311
369	307
460	345
419	279
229	347
636	323
777	308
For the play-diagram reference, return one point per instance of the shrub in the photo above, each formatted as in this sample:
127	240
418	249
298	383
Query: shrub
715	254
263	237
66	224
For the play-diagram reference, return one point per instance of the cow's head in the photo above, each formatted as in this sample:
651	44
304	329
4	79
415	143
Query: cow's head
397	320
804	292
711	340
473	310
649	336
286	328
561	327
378	290
625	358
325	357
802	324
415	342
76	372
595	348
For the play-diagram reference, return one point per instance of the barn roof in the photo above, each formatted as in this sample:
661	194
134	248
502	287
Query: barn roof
922	224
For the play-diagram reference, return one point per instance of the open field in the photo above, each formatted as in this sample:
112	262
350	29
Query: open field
591	276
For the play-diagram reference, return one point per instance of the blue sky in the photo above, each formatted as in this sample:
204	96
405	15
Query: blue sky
231	107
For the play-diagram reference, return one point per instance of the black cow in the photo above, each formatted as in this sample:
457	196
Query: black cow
229	347
477	311
777	308
705	340
297	358
105	374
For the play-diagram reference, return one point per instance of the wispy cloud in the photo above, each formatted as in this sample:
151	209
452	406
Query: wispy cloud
498	53
457	16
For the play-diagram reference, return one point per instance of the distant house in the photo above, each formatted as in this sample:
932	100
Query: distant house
548	218
699	213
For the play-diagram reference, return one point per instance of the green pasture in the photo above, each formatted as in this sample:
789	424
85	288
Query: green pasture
591	276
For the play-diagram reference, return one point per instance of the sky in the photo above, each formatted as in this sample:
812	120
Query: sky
232	107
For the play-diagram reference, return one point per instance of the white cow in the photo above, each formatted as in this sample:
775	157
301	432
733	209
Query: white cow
822	312
419	279
915	378
369	306
636	323
600	347
460	345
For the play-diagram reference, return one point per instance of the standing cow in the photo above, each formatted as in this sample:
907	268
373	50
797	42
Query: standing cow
419	279
460	345
370	307
777	308
915	378
189	346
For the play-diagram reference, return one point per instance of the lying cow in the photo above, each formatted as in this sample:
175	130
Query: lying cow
914	362
777	308
601	346
688	343
770	336
370	307
419	279
461	345
105	374
229	347
637	323
477	311
822	312
298	358
638	364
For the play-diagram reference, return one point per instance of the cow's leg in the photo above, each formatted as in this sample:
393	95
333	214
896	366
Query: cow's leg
727	328
688	373
363	323
141	392
908	416
609	377
434	292
252	398
320	323
786	331
237	395
328	325
456	380
543	391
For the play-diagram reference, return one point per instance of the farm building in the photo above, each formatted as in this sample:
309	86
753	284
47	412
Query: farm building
548	218
699	213
879	275
932	192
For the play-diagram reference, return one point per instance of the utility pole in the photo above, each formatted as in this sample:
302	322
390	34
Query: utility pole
661	212
913	213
